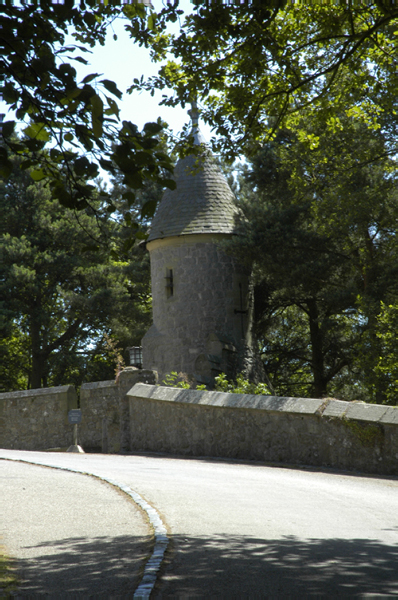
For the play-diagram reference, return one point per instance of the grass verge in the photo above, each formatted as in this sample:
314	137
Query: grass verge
8	574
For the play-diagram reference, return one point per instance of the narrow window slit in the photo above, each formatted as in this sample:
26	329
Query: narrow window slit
169	283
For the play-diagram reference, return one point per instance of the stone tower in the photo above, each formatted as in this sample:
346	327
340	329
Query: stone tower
201	297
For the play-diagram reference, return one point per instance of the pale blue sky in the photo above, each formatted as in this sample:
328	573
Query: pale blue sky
122	61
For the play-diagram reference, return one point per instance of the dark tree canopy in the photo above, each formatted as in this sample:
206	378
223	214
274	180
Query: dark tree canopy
63	295
320	229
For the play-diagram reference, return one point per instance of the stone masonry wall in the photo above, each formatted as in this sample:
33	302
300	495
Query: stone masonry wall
200	318
105	420
99	430
37	419
324	433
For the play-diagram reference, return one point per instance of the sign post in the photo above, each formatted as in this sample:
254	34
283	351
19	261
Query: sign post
75	417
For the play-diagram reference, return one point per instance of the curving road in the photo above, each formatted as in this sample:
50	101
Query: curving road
247	530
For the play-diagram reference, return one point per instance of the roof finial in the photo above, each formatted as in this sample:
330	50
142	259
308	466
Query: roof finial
195	131
194	114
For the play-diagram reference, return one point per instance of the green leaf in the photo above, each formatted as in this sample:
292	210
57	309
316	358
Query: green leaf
90	248
71	95
141	235
38	132
130	197
37	175
89	78
112	88
133	180
169	183
97	115
10	94
113	107
148	210
152	128
127	245
81	60
6	166
26	164
7	128
130	128
152	22
81	166
107	165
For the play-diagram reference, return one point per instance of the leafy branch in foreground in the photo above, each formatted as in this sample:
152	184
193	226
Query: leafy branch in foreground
71	129
252	67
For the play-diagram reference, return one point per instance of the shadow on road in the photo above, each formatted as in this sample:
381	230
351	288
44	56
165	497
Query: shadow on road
222	567
101	567
246	567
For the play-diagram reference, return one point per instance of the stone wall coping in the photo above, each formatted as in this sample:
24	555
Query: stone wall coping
390	417
335	408
98	384
366	412
225	400
62	389
359	411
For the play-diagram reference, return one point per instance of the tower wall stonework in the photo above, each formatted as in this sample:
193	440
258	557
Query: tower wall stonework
197	329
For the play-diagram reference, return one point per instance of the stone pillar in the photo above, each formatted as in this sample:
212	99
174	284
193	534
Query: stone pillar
125	381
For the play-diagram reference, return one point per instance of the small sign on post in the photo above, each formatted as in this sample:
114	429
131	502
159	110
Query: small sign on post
74	418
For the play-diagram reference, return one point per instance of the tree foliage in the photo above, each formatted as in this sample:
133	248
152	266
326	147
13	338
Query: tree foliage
254	66
320	228
62	292
386	370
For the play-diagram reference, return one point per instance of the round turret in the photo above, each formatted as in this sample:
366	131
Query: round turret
200	295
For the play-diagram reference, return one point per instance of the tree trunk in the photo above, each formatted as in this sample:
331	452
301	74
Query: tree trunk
38	362
317	365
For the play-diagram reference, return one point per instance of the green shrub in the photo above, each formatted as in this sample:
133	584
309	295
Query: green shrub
240	386
181	380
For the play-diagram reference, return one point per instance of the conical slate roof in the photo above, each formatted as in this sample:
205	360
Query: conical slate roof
202	202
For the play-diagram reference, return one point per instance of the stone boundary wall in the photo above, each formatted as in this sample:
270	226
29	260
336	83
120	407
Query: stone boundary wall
99	430
304	431
331	433
37	419
105	425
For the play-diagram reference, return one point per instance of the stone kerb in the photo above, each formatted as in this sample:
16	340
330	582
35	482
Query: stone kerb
326	432
36	419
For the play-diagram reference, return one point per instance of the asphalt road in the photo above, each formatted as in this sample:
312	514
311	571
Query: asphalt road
71	534
242	530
